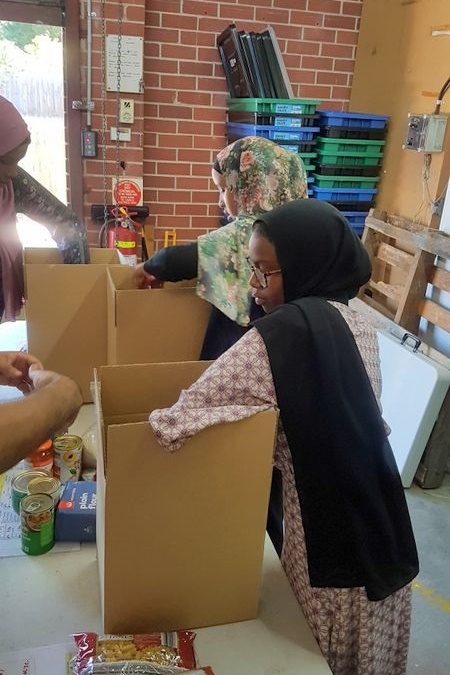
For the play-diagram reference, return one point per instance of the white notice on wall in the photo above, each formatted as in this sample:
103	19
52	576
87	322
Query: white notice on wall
124	64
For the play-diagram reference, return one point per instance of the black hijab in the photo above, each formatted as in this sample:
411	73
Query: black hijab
354	512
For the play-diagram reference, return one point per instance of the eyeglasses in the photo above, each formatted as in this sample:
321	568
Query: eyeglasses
261	277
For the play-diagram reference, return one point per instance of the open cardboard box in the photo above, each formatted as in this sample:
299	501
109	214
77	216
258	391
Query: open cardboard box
180	536
65	311
153	326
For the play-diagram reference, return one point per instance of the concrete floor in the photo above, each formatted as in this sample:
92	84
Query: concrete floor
430	637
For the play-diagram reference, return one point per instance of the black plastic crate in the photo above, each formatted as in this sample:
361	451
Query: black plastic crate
278	121
354	206
342	170
354	133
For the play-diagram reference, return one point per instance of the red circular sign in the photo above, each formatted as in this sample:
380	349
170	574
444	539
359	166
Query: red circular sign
127	192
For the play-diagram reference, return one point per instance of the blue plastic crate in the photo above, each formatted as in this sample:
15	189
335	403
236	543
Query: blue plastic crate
335	118
236	131
356	218
343	194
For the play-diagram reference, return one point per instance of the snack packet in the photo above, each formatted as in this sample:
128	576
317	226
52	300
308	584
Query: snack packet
146	654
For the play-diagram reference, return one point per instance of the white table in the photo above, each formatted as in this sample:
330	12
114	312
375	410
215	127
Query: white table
44	599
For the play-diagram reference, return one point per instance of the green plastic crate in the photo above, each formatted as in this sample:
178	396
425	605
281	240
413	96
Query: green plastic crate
288	106
344	181
349	159
347	145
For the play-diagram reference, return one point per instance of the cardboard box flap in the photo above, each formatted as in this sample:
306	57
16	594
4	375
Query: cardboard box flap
66	314
153	326
140	388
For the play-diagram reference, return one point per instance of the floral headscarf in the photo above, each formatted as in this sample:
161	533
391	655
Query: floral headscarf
263	175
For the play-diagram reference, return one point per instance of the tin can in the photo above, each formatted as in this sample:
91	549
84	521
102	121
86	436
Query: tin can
67	451
46	485
19	487
37	519
42	458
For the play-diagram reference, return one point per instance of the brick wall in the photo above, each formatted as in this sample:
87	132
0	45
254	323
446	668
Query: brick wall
180	121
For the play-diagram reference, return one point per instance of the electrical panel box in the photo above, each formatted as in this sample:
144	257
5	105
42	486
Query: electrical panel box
425	133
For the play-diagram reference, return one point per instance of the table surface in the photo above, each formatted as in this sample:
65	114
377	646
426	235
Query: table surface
44	599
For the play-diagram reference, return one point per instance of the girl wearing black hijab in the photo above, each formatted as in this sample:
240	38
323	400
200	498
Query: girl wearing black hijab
349	550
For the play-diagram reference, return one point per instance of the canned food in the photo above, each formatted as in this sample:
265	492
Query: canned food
19	488
41	458
37	519
67	451
46	485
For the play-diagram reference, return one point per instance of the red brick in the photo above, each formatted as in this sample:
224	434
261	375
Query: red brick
348	22
319	34
210	27
179	21
304	76
191	210
164	196
177	140
164	154
201	170
287	32
347	37
169	6
195	128
214	143
194	98
167	182
162	35
315	91
189	183
344	65
178	52
177	82
209	115
342	93
341	79
307	18
341	51
204	156
161	126
211	84
290	4
272	16
134	13
195	68
207	54
354	8
161	65
301	47
159	96
326	6
238	13
173	169
175	112
199	8
316	63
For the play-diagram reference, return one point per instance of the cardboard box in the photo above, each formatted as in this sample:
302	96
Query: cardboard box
75	517
66	312
180	536
153	326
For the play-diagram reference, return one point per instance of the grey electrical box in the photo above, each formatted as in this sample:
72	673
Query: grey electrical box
425	133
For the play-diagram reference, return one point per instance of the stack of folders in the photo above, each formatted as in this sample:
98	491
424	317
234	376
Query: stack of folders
253	64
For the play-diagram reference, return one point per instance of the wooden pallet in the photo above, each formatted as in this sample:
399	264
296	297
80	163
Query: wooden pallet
405	259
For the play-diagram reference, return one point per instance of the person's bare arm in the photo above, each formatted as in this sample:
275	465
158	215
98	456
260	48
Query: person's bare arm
45	412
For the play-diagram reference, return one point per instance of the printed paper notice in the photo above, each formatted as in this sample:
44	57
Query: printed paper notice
125	64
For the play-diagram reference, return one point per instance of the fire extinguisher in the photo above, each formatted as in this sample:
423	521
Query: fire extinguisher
120	232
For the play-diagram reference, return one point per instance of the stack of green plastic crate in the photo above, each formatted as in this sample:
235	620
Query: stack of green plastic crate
350	150
292	123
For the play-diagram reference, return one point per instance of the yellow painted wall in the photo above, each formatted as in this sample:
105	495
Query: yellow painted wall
400	68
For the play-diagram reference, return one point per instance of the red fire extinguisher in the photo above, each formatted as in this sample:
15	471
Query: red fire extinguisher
121	233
